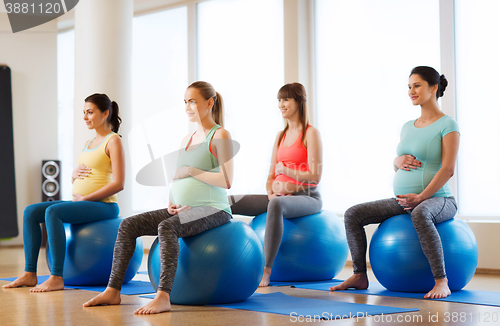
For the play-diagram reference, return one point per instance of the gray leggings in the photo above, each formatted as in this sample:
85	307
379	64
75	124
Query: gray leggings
301	203
424	217
169	229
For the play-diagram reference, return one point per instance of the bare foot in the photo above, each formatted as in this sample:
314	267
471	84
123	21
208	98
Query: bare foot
53	283
110	296
359	281
27	279
440	289
266	278
161	303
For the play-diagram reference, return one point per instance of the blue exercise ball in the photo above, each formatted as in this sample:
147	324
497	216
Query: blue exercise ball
313	248
221	265
89	253
399	264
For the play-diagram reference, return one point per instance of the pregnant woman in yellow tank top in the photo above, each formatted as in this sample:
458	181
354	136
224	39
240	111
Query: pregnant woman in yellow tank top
99	176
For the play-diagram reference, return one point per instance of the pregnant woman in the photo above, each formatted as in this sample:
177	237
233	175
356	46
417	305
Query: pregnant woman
294	174
427	153
99	176
197	203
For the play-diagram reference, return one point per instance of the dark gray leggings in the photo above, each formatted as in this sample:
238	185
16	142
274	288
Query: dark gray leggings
300	204
424	217
169	229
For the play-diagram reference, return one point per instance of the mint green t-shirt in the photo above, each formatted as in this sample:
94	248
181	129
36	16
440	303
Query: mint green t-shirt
425	144
193	192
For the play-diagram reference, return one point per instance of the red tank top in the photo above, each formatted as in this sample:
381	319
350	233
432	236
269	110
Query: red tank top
293	157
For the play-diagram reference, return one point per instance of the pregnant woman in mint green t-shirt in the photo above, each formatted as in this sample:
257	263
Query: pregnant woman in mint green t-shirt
426	160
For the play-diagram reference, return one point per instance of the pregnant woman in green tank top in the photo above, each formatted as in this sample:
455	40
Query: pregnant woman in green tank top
197	202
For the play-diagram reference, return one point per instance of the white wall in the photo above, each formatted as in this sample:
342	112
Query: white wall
31	56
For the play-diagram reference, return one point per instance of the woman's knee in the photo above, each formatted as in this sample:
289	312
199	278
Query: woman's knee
275	205
30	213
125	226
421	214
168	226
52	214
352	214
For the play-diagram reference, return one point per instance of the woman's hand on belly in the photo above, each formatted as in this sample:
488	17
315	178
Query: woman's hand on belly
81	172
287	188
279	169
182	172
409	201
407	162
78	197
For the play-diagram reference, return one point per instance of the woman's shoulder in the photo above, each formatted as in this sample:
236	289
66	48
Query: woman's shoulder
312	133
448	119
222	133
114	138
448	124
312	129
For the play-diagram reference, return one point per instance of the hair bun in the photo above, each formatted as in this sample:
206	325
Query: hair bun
443	82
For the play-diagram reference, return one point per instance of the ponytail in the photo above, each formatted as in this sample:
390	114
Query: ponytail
114	117
218	110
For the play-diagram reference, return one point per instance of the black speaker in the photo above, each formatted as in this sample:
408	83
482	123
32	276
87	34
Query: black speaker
8	212
51	187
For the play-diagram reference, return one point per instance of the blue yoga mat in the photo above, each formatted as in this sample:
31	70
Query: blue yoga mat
486	298
300	308
280	303
131	288
290	283
40	279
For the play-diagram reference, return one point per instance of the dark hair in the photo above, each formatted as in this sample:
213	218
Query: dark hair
297	91
207	91
103	103
432	77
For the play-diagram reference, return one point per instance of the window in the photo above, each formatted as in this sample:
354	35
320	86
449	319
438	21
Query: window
240	52
65	107
159	74
477	33
365	51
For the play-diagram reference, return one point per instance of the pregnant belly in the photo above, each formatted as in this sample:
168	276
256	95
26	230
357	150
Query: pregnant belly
88	185
189	192
283	187
406	182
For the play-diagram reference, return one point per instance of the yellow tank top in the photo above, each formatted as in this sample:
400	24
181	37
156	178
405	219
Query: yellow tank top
101	174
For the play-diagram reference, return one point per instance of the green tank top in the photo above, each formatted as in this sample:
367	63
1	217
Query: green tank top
191	191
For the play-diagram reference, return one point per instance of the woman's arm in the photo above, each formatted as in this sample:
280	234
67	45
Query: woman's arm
450	144
272	168
223	148
314	160
114	150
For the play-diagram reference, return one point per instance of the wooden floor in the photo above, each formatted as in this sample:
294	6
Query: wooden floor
20	307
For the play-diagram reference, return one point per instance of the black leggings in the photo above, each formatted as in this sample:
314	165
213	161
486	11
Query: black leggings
169	229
